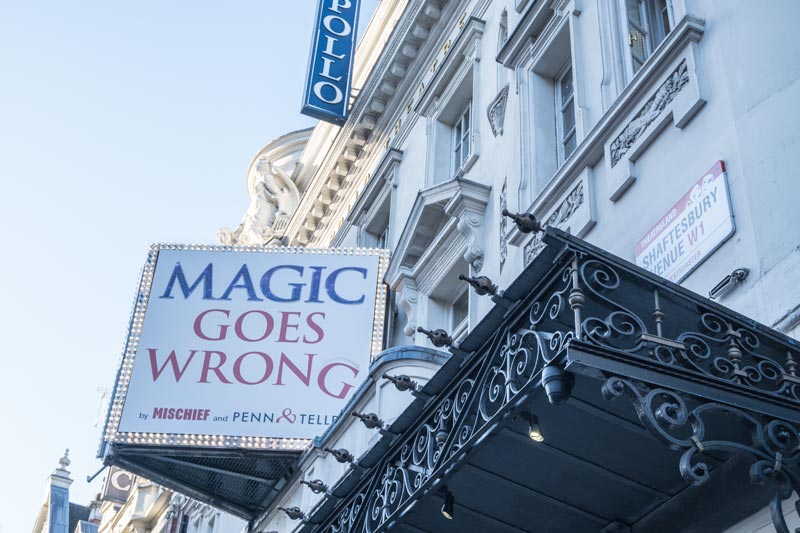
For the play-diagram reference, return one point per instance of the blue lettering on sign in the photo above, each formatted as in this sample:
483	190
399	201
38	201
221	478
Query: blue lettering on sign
327	91
298	287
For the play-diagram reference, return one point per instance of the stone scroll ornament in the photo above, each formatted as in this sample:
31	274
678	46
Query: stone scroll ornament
651	110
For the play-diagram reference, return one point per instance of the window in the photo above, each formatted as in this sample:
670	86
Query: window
382	240
646	23
459	316
550	93
184	526
462	148
446	102
565	114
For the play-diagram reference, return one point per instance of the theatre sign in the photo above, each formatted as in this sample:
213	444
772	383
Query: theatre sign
257	347
691	230
330	66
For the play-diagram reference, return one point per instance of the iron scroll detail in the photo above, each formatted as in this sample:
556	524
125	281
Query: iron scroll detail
698	338
577	300
478	403
683	424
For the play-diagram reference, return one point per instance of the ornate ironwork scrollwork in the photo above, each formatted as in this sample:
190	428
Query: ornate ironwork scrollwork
774	446
510	365
590	298
699	340
618	327
737	357
553	304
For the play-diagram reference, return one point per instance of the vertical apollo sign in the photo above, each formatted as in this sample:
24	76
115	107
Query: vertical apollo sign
330	68
258	348
691	230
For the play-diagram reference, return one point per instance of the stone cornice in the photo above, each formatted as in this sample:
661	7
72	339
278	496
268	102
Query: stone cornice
465	45
465	204
530	25
389	70
426	197
376	184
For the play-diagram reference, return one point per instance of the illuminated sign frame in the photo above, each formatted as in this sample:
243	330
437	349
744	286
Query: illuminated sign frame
114	435
330	66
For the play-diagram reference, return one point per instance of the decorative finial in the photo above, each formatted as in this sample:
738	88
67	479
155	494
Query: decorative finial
341	455
370	420
64	461
316	486
402	382
294	513
482	284
525	222
438	337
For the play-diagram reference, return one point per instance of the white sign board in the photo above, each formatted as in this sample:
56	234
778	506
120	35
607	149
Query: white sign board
231	347
691	230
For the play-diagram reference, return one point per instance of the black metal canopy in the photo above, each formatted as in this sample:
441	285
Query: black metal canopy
660	410
240	481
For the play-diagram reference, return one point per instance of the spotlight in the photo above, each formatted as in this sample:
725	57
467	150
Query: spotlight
448	509
534	431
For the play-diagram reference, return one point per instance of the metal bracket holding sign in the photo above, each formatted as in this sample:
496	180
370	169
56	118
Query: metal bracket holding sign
330	67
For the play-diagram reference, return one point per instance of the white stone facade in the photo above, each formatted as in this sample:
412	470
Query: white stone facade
151	508
560	109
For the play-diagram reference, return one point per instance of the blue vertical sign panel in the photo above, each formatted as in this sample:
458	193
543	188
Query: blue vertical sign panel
330	69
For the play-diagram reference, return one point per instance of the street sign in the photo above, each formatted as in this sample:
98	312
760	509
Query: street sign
691	230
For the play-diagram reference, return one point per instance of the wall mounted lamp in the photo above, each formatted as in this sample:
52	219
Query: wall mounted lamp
728	283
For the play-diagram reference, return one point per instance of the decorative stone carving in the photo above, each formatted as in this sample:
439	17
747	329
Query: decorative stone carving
557	219
225	236
503	226
649	112
273	199
406	295
470	224
468	207
497	111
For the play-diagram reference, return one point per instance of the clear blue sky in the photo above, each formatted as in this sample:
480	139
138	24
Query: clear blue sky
121	124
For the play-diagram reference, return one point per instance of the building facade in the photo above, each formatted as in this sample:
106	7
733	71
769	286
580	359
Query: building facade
659	131
130	504
127	505
58	514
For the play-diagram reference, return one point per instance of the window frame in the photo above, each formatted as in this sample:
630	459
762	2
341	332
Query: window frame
455	84
651	28
461	137
562	137
461	329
